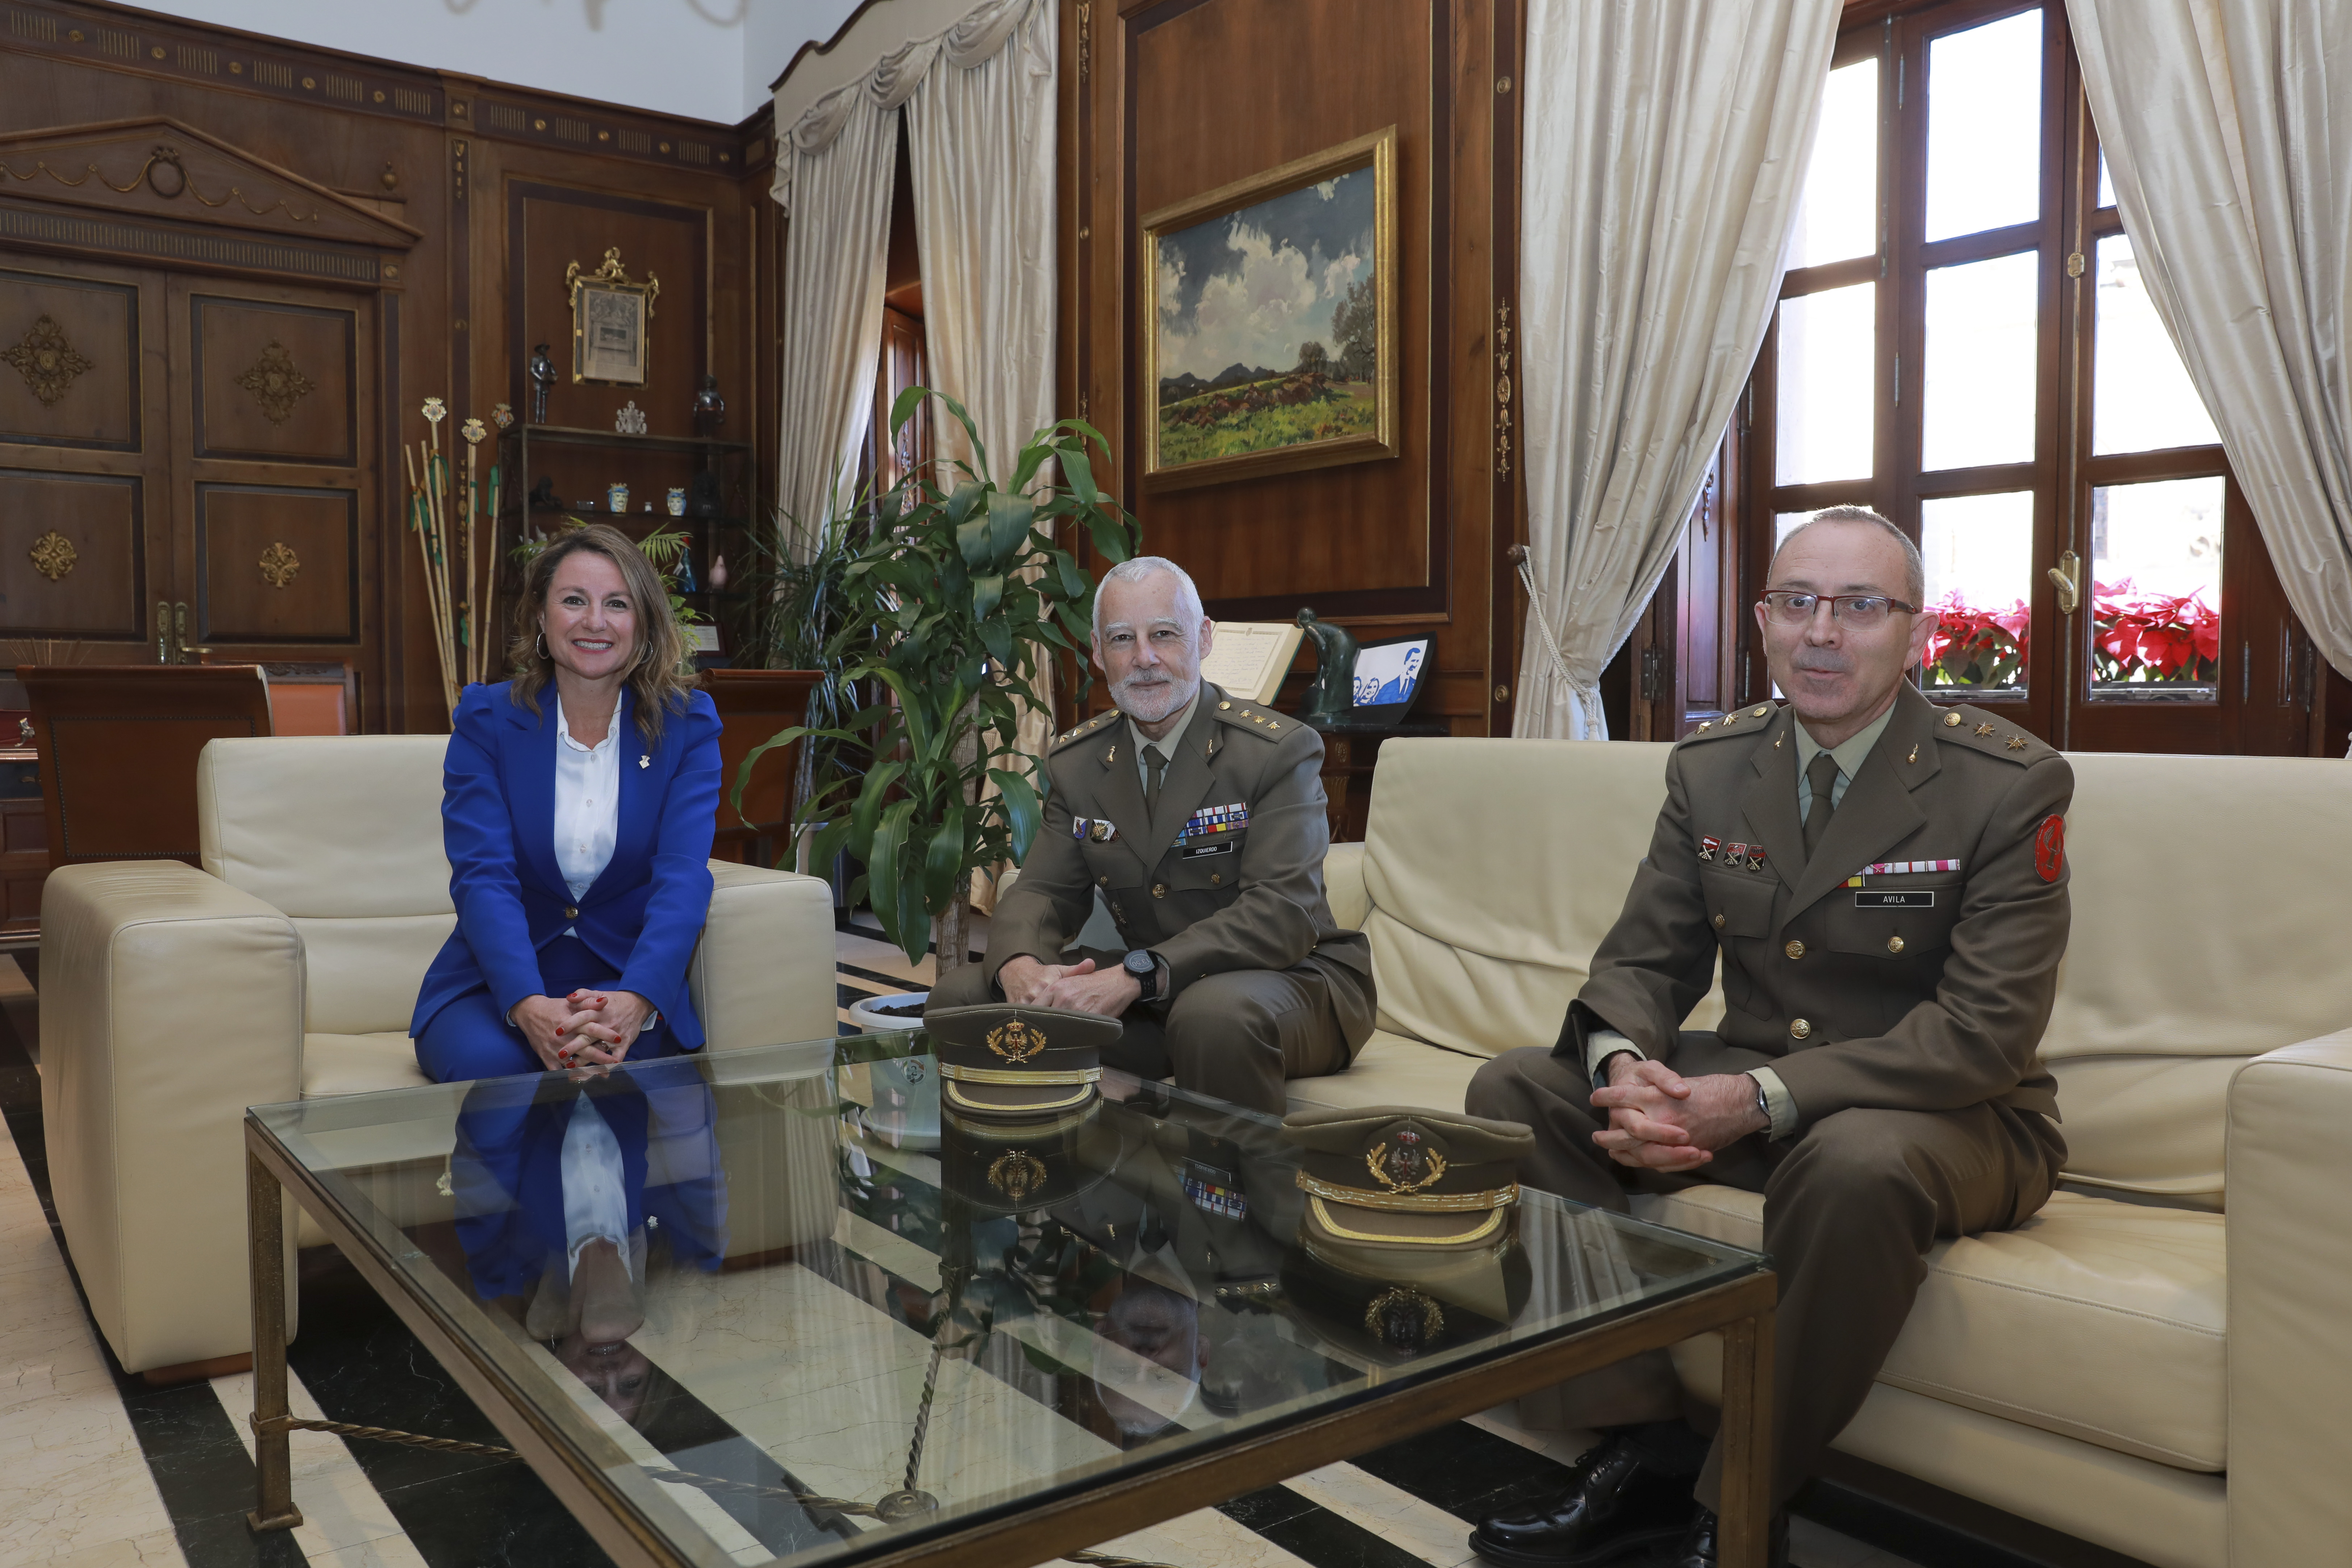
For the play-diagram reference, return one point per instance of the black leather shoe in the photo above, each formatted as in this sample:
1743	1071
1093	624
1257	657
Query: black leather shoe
1619	1501
1698	1548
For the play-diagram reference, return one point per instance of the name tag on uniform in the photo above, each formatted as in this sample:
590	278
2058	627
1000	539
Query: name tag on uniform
1904	899
1194	851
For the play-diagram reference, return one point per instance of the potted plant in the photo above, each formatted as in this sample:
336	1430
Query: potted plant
950	604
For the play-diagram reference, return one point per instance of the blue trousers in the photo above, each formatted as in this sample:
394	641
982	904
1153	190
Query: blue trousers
471	1039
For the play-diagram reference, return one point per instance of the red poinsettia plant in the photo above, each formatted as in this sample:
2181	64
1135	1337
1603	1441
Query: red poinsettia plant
2135	636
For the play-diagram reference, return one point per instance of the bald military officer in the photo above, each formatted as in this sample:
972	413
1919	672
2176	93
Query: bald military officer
1885	883
1200	818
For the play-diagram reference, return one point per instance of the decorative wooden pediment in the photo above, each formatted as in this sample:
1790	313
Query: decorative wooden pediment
160	169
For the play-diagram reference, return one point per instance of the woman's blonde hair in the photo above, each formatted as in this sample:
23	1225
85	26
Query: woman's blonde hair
657	675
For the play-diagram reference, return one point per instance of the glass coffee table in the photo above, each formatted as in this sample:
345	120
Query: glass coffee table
770	1305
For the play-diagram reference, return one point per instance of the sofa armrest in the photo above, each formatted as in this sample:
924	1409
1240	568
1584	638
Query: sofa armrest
2288	1166
1343	885
763	973
170	1002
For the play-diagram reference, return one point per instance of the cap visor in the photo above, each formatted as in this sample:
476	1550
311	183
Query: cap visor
1015	1099
1409	1228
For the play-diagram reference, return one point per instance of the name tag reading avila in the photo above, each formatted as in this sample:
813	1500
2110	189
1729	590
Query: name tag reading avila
1897	898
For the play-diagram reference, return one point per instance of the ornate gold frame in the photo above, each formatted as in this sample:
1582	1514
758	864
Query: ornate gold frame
1377	152
611	278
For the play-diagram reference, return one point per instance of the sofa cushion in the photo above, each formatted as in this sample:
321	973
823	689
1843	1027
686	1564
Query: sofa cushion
1494	868
2098	1319
1391	1070
302	823
358	1063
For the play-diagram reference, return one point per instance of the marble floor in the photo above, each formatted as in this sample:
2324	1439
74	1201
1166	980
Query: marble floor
99	1469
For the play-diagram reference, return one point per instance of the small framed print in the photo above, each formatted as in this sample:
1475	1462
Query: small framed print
612	322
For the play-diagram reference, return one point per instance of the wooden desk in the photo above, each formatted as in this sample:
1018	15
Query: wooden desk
24	842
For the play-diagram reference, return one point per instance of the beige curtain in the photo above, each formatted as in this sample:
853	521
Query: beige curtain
834	175
1665	150
980	138
2231	152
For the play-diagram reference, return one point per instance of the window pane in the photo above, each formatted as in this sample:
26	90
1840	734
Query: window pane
2141	396
2155	571
1837	216
1979	558
1984	127
1979	401
1826	418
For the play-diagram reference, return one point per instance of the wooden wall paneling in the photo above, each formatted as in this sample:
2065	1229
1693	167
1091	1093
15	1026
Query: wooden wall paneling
101	593
68	361
273	382
1173	96
1505	426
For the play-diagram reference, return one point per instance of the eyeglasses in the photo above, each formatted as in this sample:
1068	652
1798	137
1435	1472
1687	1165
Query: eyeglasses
1791	608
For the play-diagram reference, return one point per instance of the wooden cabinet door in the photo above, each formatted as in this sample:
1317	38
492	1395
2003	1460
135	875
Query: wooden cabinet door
275	485
85	442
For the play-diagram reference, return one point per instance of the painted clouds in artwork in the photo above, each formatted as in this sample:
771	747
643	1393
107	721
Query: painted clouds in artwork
1253	287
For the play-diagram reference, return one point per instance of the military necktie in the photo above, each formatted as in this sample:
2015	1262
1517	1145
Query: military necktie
1823	777
1155	763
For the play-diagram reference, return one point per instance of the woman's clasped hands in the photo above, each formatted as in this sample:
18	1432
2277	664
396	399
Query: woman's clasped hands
586	1029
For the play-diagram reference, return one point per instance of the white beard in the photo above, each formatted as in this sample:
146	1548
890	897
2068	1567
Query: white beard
1149	701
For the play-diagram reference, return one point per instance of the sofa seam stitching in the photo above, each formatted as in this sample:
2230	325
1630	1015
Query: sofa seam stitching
2180	1324
1901	1380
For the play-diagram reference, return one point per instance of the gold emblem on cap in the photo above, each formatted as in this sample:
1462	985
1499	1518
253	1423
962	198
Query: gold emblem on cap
1016	1040
1016	1174
1405	1169
1403	1298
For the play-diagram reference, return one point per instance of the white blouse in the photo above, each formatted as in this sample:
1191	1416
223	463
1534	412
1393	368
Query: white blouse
587	801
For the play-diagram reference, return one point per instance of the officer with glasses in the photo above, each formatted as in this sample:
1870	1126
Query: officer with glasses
1884	880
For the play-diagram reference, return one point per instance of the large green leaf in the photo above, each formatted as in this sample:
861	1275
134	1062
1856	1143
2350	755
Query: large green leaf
978	448
986	593
867	815
975	545
943	860
1080	471
1022	811
1008	524
902	408
890	888
962	504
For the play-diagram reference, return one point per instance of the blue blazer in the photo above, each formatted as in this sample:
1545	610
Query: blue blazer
643	916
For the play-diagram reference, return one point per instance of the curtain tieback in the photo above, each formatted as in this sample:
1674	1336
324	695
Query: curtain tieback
1523	555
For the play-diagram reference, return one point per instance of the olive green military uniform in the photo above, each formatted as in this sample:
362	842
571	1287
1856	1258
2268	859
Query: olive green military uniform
1224	882
1896	980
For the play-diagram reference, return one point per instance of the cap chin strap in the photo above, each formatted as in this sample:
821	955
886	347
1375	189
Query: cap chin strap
1410	1203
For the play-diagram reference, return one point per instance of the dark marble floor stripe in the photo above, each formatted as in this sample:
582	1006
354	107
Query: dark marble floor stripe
189	1442
1313	1532
1466	1470
891	983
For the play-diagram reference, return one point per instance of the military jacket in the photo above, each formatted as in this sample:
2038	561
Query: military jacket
1910	963
1227	874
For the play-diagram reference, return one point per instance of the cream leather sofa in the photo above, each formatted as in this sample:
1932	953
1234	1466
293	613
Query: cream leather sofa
172	998
2158	1361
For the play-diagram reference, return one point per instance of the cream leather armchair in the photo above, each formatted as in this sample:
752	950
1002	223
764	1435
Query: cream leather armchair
2155	1362
172	998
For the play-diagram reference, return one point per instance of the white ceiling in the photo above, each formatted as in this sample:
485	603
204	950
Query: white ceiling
709	60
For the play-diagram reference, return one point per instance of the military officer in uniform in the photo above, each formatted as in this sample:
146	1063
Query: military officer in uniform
1885	883
1199	817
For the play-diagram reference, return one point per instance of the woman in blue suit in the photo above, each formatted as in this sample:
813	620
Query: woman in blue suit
579	801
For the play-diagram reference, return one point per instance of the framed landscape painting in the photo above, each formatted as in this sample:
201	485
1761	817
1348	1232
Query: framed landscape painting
1269	308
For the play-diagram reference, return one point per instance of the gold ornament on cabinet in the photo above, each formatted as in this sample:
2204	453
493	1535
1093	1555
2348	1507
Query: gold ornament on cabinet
278	564
53	555
274	384
47	362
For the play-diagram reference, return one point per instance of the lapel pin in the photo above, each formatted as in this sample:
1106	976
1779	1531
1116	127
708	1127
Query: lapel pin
644	759
1914	756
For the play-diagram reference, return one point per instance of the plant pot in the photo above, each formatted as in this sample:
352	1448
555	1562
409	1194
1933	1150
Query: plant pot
869	1018
906	1108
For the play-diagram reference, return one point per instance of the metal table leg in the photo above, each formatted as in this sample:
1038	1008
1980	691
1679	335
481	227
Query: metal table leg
1747	1516
265	1231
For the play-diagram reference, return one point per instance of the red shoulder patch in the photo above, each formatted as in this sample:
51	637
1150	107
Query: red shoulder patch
2050	847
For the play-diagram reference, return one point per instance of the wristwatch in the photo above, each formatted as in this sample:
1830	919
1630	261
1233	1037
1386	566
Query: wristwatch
1145	968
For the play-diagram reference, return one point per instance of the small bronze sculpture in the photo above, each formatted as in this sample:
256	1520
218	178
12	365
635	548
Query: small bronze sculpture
542	377
1332	692
709	408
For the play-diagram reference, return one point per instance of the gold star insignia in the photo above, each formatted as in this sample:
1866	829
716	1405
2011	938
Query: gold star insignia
1705	725
1729	719
1984	730
1223	706
2017	742
1271	727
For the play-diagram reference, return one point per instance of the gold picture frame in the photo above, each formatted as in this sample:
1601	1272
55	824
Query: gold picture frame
1301	224
612	322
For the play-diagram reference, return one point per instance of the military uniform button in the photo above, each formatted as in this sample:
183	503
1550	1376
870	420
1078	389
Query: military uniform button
1795	949
1102	881
1951	720
1159	889
1894	944
1718	922
1800	1029
1216	880
571	915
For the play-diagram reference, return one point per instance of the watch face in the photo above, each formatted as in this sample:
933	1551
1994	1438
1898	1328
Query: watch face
1141	963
